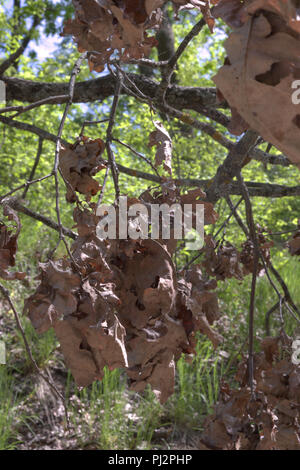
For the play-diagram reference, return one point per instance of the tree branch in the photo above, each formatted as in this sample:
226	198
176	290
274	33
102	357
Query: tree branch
19	207
15	56
231	166
255	189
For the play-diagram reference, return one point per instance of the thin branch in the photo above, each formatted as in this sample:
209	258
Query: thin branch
19	207
36	162
233	209
75	72
25	185
287	295
109	137
169	69
6	295
24	126
103	185
256	252
22	109
91	123
138	155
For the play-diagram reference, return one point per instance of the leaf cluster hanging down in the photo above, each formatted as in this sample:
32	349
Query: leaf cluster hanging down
120	302
78	163
122	309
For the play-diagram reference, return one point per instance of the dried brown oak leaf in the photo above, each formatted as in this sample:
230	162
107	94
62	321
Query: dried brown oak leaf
9	245
263	62
88	346
163	142
222	262
108	26
78	163
55	296
198	304
247	253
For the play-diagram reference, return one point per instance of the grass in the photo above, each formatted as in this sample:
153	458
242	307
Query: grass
197	386
111	417
42	346
8	406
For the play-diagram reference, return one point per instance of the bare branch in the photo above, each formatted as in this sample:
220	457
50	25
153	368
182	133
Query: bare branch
36	162
231	166
109	137
6	295
19	207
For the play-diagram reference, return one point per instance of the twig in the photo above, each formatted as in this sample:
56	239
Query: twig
15	204
138	155
22	109
6	295
91	123
75	72
25	185
109	137
169	68
103	186
36	162
253	235
287	295
13	57
233	209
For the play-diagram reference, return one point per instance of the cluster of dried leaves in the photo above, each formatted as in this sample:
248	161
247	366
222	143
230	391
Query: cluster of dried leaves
105	26
224	261
119	303
247	253
122	309
268	421
262	64
78	163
